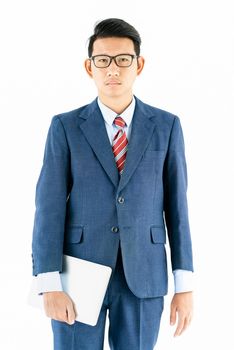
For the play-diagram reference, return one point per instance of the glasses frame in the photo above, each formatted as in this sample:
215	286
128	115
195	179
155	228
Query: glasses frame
114	58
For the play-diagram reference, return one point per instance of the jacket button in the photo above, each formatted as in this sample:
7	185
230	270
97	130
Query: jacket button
114	229
121	200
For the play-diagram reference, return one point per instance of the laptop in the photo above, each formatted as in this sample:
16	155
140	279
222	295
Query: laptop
86	284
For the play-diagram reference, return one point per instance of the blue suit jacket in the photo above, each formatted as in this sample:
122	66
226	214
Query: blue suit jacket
84	208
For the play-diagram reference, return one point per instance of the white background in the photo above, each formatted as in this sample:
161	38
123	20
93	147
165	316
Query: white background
189	51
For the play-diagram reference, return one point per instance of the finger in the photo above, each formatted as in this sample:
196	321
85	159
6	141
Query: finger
180	326
59	313
70	314
173	316
187	322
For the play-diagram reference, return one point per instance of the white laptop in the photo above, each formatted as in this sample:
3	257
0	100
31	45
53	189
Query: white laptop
85	282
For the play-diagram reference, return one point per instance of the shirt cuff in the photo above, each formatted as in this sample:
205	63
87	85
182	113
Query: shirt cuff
184	281
49	282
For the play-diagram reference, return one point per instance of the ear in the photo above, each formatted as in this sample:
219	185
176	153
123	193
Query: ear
140	64
88	67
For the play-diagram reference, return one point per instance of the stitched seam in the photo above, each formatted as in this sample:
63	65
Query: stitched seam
65	135
140	325
73	337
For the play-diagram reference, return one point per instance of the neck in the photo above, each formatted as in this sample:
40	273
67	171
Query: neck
118	104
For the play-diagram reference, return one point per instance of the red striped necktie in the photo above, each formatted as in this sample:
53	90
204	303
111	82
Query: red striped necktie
120	144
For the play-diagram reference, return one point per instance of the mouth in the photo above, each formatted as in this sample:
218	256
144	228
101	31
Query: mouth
113	82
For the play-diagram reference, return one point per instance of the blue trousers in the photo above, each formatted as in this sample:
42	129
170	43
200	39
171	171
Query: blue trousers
133	322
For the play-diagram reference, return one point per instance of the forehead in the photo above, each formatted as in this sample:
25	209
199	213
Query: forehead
113	46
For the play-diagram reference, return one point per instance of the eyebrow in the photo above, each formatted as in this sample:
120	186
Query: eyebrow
105	54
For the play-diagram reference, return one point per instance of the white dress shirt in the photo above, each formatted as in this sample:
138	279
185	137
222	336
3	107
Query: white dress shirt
50	281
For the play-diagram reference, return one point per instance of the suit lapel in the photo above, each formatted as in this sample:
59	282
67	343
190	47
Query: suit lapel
95	132
142	130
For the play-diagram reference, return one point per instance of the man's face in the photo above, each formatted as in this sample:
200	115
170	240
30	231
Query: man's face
114	81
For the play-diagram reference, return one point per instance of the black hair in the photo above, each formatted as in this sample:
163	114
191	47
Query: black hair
115	27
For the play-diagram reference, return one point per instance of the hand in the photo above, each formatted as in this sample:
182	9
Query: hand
59	306
181	306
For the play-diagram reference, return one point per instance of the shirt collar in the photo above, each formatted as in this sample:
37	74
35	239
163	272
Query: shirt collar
110	115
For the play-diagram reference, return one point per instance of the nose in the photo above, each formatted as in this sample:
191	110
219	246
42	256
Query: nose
113	69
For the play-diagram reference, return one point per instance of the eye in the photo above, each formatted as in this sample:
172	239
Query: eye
123	59
102	60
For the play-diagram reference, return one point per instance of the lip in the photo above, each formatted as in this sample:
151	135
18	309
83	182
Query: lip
113	82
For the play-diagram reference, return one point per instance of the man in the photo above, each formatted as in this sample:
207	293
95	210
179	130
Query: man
113	176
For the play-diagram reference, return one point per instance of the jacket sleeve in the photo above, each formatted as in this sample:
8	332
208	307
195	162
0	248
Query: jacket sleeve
175	201
52	190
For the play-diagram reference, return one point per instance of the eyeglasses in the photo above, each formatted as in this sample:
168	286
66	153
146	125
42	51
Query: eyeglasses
103	61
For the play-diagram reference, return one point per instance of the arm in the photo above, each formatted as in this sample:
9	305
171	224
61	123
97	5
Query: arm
183	281
51	194
52	191
176	216
49	282
182	302
57	304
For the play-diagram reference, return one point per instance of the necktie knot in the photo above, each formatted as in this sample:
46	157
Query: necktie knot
119	122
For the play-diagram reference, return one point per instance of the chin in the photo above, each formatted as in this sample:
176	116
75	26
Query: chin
115	92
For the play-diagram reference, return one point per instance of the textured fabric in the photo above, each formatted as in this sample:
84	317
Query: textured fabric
85	210
120	144
183	278
133	322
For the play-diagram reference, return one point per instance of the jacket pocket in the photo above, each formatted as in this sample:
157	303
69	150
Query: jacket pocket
74	234
158	234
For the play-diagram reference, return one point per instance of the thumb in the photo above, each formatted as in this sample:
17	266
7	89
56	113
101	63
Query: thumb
173	316
70	313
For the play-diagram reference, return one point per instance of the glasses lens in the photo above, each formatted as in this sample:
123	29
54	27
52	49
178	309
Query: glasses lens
124	60
101	61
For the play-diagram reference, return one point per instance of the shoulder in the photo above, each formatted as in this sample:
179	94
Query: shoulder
157	115
72	116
